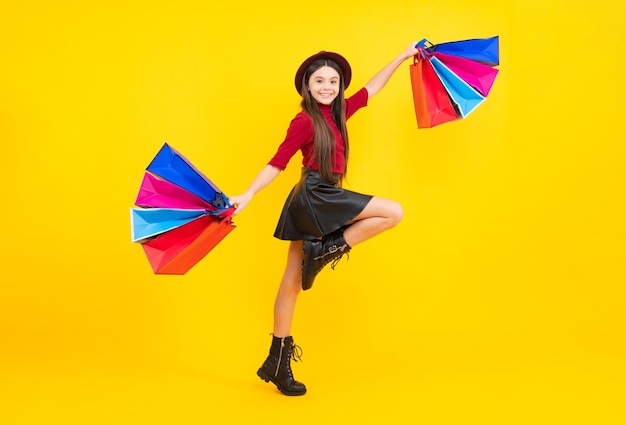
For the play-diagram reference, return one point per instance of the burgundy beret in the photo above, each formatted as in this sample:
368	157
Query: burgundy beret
335	57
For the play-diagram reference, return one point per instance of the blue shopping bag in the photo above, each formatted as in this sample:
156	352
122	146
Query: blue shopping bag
464	97
175	168
485	50
146	223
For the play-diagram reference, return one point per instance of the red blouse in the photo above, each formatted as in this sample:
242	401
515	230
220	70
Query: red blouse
300	136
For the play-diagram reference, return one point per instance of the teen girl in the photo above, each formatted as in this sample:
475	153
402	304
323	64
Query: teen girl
322	220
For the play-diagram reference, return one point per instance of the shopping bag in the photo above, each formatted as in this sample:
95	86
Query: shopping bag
158	193
149	222
464	97
178	250
170	165
485	50
476	74
431	101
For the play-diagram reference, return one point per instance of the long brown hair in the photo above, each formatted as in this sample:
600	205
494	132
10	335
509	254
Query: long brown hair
324	139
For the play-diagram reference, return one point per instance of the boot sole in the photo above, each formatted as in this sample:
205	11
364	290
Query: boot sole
267	378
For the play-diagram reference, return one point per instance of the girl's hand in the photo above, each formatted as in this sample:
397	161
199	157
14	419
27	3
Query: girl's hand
411	50
239	202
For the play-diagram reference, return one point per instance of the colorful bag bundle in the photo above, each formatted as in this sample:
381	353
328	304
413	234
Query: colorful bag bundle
449	80
183	215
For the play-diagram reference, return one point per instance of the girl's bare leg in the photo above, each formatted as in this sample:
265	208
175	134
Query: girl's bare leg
379	215
290	287
277	366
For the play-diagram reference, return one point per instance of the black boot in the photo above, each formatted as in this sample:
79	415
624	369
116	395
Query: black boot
318	253
277	366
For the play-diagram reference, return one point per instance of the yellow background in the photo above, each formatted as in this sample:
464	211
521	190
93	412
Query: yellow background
498	300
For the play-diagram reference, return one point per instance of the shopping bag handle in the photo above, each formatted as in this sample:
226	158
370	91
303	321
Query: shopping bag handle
422	50
422	43
222	213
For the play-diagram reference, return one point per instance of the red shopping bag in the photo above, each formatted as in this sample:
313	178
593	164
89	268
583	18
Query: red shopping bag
430	98
178	250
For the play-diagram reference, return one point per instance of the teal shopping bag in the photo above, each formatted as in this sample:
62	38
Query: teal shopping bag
463	96
146	223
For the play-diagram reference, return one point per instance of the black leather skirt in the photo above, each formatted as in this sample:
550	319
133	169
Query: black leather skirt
315	208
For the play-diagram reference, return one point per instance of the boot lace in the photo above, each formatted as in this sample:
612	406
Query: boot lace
295	353
335	261
329	256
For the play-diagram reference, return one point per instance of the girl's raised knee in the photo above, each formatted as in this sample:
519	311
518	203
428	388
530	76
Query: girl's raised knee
397	212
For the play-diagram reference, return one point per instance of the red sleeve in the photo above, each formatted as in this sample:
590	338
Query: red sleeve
299	136
357	101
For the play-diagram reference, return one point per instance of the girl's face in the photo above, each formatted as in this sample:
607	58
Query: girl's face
324	85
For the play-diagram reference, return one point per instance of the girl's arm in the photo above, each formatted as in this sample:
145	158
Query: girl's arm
379	80
265	177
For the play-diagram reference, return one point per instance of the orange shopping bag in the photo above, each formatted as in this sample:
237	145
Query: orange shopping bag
430	98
